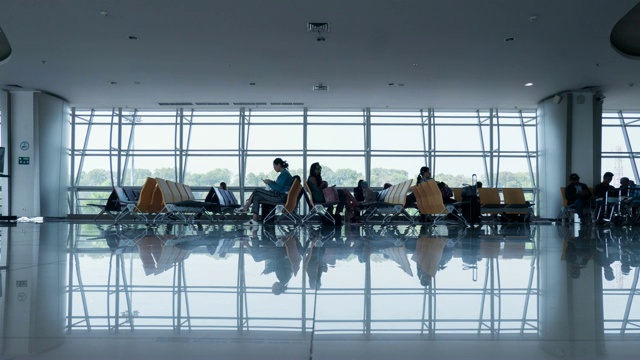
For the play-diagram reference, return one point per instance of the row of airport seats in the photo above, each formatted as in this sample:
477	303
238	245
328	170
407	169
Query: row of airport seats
160	200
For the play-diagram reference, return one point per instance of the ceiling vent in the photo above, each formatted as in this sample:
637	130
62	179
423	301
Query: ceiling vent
287	103
175	103
249	103
320	87
318	27
213	103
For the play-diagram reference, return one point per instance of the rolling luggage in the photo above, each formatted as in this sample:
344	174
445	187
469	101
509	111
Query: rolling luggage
470	206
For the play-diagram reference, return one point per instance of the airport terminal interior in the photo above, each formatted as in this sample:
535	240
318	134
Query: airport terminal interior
120	121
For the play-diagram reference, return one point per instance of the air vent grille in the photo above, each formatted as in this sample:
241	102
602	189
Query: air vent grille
213	103
315	27
175	103
249	103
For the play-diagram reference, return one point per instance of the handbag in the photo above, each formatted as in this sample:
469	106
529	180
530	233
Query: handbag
330	195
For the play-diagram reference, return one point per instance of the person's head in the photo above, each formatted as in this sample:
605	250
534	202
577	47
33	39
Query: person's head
279	164
363	184
425	172
574	178
294	177
315	170
223	185
608	274
386	185
624	181
479	184
607	177
278	288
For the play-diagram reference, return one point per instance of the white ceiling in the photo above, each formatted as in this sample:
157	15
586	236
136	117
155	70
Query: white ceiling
449	54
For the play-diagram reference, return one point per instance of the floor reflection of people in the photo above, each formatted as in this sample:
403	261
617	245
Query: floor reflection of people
577	252
324	250
427	256
276	260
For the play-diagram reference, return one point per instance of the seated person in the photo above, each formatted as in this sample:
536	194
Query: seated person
223	185
277	191
604	190
627	187
578	195
317	185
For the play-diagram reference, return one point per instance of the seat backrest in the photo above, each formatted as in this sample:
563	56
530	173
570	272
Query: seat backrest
145	200
292	196
397	194
177	196
565	203
225	197
183	192
489	196
513	196
121	194
309	196
165	195
429	198
131	194
457	194
189	192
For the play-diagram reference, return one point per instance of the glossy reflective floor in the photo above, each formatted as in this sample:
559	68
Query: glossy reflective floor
87	291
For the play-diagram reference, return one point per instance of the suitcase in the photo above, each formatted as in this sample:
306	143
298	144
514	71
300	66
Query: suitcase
470	206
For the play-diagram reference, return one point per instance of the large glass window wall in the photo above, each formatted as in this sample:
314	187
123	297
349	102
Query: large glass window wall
620	131
203	148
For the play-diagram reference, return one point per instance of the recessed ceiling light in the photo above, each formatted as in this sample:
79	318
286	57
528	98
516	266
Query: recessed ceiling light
414	65
137	83
509	39
528	84
391	84
252	84
113	82
133	37
104	13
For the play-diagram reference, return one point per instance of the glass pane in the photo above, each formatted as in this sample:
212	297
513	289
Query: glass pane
612	139
211	170
457	138
212	137
397	137
153	136
274	137
343	137
511	138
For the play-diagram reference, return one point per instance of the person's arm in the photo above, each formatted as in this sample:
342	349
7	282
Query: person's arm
282	183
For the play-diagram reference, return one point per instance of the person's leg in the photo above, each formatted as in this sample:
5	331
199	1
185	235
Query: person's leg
579	206
262	195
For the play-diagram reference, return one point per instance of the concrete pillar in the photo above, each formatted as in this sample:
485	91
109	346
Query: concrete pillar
37	128
570	140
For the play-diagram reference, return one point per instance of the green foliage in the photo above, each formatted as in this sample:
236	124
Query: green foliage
340	177
95	177
139	177
379	176
211	178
